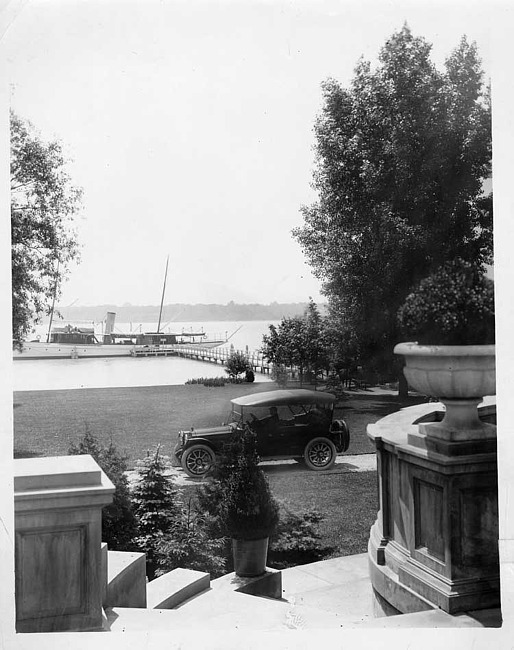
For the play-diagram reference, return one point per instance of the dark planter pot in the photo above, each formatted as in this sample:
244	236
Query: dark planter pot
250	556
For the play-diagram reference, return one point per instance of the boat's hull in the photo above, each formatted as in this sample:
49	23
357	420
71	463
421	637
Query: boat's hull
38	350
69	351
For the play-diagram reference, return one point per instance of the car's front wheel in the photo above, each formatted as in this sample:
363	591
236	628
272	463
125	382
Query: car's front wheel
320	453
197	460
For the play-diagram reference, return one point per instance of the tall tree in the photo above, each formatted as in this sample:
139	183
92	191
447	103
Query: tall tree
315	337
43	204
401	156
298	341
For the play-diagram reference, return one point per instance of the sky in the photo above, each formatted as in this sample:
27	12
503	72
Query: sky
190	126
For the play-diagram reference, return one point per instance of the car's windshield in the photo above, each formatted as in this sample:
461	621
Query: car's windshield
236	415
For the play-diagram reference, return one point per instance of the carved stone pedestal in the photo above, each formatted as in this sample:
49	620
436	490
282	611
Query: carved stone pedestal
58	555
435	542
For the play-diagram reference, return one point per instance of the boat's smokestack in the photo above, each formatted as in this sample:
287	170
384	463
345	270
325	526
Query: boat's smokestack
109	322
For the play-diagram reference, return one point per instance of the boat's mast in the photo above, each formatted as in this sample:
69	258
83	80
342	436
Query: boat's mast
53	302
162	298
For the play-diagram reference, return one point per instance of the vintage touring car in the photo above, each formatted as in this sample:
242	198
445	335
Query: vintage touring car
288	424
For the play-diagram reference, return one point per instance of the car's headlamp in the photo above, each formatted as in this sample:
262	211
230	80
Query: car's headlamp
184	436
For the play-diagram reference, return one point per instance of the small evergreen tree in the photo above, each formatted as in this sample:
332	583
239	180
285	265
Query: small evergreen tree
296	539
119	524
171	533
248	510
155	506
237	499
189	545
209	496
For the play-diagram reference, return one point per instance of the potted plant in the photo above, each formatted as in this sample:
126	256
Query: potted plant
450	315
248	512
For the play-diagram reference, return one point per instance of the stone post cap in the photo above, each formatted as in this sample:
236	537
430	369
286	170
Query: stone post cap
63	478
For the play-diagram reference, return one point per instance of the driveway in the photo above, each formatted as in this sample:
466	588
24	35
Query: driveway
344	463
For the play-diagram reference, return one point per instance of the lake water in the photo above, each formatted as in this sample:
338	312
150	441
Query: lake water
55	374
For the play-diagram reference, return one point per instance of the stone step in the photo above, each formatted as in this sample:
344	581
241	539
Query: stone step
126	579
436	618
326	595
235	611
131	619
173	588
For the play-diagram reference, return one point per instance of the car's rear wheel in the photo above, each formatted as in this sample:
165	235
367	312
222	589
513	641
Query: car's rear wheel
197	460
320	453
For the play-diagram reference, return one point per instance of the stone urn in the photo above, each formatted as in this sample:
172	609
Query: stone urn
459	376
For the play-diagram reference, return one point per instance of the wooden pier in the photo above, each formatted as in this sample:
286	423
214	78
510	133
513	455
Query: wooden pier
209	355
256	360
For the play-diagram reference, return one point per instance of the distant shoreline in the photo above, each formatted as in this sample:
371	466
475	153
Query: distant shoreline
190	313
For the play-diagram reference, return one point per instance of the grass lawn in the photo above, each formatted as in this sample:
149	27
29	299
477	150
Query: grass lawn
137	419
347	500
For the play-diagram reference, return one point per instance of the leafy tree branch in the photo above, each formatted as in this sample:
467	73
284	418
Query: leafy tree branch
44	203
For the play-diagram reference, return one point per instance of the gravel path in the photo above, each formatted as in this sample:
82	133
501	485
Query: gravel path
344	463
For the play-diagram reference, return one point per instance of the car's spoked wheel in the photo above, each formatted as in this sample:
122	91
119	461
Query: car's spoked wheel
320	453
197	460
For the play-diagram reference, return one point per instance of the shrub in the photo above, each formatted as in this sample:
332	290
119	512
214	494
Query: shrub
208	381
297	539
237	364
216	381
119	524
454	306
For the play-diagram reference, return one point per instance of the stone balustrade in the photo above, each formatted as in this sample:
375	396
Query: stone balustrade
435	542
